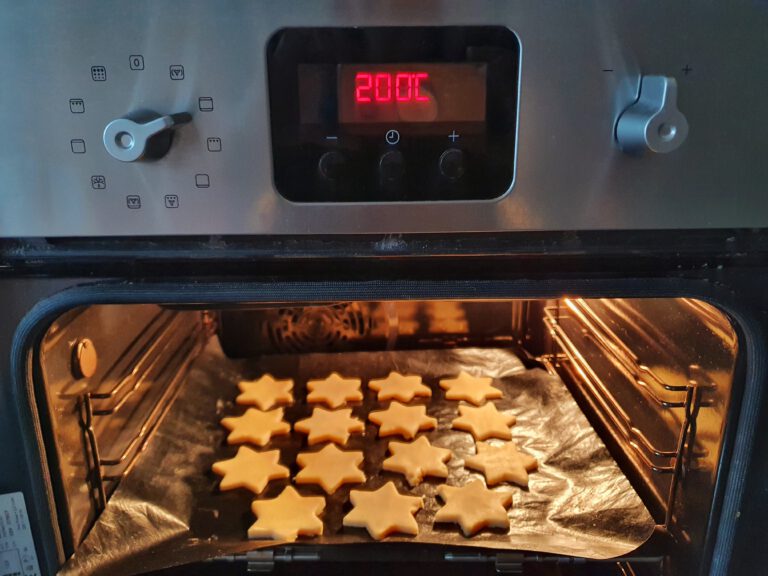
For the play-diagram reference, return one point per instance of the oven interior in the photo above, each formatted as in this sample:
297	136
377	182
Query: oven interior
656	379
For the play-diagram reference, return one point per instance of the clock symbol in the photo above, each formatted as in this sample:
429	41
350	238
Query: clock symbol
392	137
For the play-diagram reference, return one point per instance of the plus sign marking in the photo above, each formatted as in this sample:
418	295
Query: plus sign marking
453	136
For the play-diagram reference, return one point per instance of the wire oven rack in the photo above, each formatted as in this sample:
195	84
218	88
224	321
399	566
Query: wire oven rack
677	405
136	391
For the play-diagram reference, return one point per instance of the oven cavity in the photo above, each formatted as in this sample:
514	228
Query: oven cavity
125	390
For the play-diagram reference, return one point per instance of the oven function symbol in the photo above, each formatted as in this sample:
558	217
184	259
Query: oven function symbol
451	164
98	182
214	144
392	137
133	202
171	201
77	105
136	61
653	122
453	136
202	181
176	72
205	103
77	145
98	73
129	140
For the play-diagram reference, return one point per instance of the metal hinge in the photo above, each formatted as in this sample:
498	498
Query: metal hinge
263	561
510	563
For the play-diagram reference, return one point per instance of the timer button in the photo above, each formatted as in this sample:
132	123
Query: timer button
331	165
391	166
451	164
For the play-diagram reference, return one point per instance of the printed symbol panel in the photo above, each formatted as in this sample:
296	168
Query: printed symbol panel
177	72
136	62
99	73
98	182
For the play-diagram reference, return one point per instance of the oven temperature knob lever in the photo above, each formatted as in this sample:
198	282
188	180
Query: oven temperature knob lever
148	136
653	122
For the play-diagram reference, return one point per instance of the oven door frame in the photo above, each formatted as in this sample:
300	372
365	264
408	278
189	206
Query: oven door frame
731	479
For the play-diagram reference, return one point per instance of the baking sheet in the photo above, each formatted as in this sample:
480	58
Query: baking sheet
169	511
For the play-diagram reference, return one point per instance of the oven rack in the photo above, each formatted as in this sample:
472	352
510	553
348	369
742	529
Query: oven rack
143	381
677	404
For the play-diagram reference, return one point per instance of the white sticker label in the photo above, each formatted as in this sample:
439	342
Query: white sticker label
17	550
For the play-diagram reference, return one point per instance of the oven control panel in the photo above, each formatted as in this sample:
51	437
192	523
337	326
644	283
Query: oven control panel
393	114
325	117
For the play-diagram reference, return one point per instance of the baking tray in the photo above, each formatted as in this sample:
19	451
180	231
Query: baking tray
169	511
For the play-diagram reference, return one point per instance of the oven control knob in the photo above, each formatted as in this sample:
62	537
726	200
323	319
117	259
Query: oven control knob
391	166
451	164
147	136
653	122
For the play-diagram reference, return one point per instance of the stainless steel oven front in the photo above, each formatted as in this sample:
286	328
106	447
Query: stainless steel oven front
567	199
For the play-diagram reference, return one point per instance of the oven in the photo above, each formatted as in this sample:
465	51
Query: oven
564	199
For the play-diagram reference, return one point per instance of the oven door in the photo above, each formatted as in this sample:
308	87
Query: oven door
681	432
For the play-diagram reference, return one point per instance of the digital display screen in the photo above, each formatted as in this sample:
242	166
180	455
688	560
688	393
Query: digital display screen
393	93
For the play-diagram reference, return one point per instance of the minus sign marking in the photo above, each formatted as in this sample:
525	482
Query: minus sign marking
607	69
331	137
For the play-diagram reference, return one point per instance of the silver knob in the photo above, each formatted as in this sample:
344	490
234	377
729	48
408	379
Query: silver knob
129	140
653	122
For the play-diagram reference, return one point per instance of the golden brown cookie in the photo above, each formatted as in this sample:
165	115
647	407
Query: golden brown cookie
334	391
484	422
250	469
406	421
255	426
330	468
329	426
265	392
502	463
399	387
417	459
287	517
383	512
473	507
474	389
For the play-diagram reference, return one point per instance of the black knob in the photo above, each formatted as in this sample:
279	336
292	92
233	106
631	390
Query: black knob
331	164
391	166
451	164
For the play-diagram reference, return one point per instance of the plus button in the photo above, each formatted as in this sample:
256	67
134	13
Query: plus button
453	136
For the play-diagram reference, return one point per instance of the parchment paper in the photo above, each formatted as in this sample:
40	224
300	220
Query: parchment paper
169	511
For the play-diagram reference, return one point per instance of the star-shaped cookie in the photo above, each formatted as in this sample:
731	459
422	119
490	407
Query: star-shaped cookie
329	426
484	422
330	468
473	507
250	469
502	463
399	387
287	517
265	392
256	426
417	459
334	391
403	420
383	512
474	389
